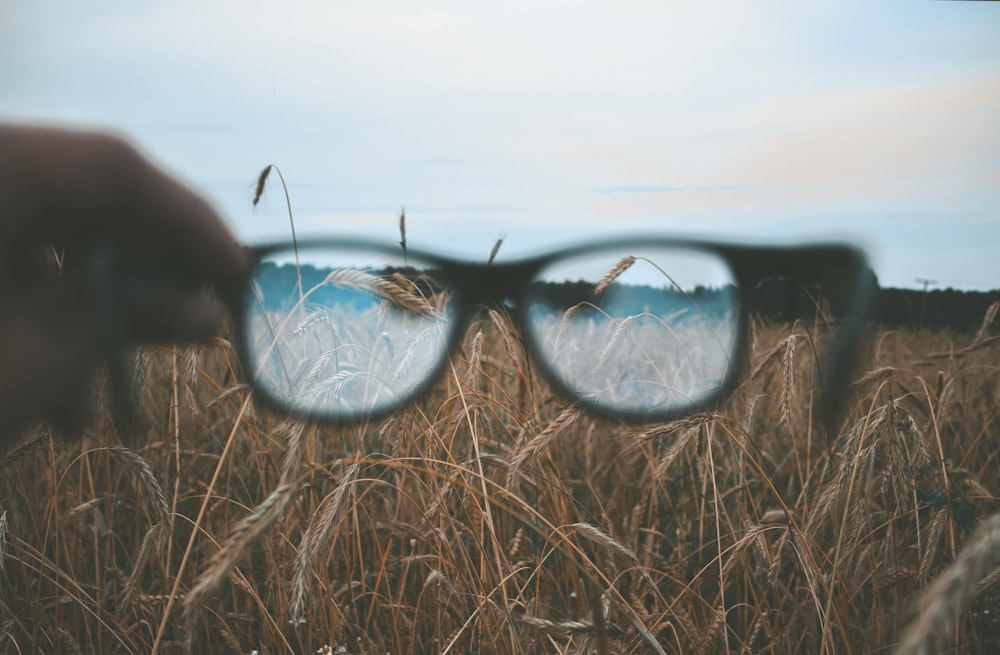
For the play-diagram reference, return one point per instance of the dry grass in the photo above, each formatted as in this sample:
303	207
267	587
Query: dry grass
491	518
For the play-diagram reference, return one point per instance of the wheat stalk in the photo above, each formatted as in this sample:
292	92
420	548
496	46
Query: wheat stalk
494	251
788	384
3	541
952	591
28	444
623	265
875	376
474	374
293	431
261	183
683	431
147	479
402	231
562	329
317	533
243	535
154	541
567	417
991	313
772	354
563	628
620	331
314	318
607	543
503	326
851	449
386	288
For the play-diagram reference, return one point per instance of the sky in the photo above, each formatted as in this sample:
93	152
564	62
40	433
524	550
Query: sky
548	123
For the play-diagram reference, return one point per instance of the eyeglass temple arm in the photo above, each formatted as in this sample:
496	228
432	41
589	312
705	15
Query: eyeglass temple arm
847	282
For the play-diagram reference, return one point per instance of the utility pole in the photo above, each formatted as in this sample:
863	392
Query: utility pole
923	297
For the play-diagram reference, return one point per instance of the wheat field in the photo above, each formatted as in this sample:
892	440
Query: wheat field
491	517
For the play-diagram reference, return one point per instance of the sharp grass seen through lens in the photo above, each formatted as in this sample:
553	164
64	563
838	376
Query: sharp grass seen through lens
655	333
367	332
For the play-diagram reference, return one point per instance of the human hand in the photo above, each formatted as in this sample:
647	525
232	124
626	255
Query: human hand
62	194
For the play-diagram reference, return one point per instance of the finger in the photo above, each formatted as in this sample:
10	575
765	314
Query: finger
46	371
188	230
76	188
174	317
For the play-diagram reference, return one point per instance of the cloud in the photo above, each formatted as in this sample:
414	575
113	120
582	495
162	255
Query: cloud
924	146
876	145
708	116
657	189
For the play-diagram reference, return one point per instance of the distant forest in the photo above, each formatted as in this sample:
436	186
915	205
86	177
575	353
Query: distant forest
781	301
951	308
896	308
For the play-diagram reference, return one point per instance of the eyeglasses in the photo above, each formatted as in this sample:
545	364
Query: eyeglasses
640	329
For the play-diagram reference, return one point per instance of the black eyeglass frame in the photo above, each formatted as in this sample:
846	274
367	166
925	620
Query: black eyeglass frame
840	269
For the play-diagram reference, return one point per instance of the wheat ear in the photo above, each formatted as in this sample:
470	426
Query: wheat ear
952	591
614	274
244	535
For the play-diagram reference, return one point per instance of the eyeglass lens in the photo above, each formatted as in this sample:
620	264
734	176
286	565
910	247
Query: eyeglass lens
642	329
341	333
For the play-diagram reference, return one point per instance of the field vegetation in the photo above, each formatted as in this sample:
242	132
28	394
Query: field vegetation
491	517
